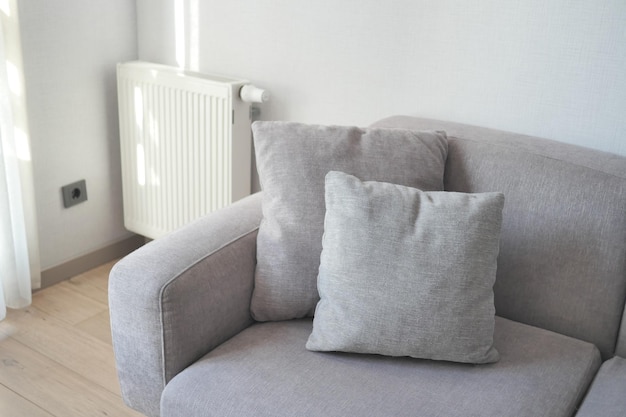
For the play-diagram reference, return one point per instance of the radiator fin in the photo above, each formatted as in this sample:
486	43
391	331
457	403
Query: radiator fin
182	154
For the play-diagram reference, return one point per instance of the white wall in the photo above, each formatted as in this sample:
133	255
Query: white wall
548	68
70	48
554	69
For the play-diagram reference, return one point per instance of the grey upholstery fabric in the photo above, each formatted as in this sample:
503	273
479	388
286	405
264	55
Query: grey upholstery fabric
620	349
180	296
562	260
266	372
292	160
601	161
563	225
407	273
607	396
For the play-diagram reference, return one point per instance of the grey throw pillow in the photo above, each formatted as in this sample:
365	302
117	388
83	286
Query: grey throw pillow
407	273
292	160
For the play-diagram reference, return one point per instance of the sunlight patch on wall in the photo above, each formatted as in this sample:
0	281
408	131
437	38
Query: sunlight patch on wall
194	35
5	8
187	33
14	78
22	147
179	28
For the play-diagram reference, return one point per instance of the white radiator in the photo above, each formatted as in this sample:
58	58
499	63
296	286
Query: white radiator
185	144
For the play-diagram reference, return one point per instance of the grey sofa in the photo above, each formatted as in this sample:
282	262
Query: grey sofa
186	344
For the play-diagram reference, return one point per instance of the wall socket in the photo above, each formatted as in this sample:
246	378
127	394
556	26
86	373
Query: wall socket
74	193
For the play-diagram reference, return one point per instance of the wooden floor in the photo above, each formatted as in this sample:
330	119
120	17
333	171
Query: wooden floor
56	357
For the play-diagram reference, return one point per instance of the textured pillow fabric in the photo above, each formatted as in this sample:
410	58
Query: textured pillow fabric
407	273
292	160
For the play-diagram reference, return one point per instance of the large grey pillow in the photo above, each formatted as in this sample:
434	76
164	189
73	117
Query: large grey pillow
407	273
292	160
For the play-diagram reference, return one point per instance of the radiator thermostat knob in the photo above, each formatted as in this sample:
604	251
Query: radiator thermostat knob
252	94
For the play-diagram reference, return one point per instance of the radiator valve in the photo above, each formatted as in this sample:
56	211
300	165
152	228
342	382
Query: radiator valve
252	94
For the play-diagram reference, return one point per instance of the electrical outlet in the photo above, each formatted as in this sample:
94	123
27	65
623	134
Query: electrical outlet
74	193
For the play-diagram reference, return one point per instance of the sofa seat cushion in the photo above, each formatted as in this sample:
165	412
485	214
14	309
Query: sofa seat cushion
266	371
607	396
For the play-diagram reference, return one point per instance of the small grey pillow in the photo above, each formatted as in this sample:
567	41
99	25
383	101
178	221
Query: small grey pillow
292	160
407	273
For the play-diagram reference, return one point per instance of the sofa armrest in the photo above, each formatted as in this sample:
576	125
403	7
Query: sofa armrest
180	296
607	395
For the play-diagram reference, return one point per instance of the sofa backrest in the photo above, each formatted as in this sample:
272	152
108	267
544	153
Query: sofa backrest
562	262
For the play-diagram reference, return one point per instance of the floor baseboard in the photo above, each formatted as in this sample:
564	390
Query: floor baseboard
89	261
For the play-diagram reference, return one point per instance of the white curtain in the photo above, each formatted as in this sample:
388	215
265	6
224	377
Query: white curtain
19	256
